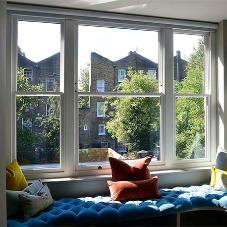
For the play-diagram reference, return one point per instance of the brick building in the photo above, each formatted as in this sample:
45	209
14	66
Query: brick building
46	72
105	75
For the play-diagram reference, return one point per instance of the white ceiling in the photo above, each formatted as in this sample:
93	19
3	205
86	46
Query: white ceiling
200	10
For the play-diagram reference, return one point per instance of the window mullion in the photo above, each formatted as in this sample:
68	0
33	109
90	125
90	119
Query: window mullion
14	57
168	98
213	98
70	69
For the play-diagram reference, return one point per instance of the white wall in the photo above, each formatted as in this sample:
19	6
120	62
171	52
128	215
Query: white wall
3	144
222	83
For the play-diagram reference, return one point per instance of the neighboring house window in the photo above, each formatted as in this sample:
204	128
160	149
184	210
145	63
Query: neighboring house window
50	84
102	129
85	127
100	85
152	73
26	123
121	74
47	109
28	74
100	109
104	144
122	147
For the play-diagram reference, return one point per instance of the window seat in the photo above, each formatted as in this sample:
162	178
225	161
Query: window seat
100	210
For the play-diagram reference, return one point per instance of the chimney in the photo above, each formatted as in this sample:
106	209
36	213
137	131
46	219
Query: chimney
132	52
19	51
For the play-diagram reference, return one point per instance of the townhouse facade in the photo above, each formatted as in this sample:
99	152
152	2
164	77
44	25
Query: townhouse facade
104	76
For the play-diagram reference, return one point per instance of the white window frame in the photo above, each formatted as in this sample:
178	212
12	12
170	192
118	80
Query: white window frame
31	172
69	86
156	165
102	87
30	74
209	101
121	76
103	106
104	131
47	83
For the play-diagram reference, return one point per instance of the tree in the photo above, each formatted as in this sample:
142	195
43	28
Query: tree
41	143
26	139
84	86
24	103
190	112
49	147
134	119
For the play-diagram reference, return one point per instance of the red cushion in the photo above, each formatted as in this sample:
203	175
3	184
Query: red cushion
122	190
135	170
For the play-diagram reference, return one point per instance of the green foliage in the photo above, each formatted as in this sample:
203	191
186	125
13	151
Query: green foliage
84	86
41	143
190	113
50	126
93	155
134	119
27	141
25	103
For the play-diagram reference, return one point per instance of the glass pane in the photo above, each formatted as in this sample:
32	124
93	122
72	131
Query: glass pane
129	129
38	131
190	128
117	56
188	64
38	56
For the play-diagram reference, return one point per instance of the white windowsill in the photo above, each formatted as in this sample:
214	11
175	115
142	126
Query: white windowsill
108	177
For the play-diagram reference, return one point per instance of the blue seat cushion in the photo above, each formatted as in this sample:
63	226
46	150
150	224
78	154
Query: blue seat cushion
99	209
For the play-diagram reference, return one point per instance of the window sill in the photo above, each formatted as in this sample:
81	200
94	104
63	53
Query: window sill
108	177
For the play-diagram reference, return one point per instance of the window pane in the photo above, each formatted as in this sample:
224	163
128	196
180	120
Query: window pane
100	85
100	109
38	131
116	56
38	56
190	128
130	129
188	64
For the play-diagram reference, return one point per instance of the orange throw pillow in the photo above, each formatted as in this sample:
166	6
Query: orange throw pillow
135	170
122	190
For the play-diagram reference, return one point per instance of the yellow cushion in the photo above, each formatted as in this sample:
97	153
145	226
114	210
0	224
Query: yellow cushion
15	179
213	176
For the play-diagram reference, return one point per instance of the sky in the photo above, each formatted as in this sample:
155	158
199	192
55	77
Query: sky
41	40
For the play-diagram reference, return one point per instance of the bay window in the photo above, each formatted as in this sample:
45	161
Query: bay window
128	90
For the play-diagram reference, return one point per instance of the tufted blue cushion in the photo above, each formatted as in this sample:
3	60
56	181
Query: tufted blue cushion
99	209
